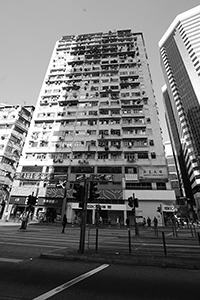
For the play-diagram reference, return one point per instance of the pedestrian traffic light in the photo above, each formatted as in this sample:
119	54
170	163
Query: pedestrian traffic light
94	193
136	203
31	200
130	201
28	200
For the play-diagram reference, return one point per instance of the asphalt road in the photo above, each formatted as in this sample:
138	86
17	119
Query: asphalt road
40	279
24	275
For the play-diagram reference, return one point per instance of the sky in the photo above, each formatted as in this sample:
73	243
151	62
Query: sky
30	28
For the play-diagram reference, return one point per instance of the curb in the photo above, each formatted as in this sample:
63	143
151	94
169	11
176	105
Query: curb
136	262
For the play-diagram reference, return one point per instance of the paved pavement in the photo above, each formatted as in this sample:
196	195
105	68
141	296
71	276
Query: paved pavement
12	223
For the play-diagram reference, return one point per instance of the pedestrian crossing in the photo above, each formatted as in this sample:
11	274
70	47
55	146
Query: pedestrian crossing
47	238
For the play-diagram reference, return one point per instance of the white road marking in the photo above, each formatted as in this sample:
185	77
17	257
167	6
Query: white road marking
70	283
33	245
11	260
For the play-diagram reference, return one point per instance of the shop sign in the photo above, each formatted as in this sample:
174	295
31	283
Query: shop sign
167	208
32	176
50	202
55	192
20	200
152	172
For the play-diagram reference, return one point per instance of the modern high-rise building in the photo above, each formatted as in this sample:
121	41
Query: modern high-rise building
180	59
172	171
96	115
14	123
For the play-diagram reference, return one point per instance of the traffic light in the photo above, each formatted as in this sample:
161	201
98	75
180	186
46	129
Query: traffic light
94	193
98	207
78	193
31	200
158	209
130	201
34	200
27	202
136	203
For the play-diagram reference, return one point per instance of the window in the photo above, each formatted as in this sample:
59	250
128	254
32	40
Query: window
103	155
153	155
112	170
139	186
93	113
151	142
148	120
131	170
78	143
143	155
161	185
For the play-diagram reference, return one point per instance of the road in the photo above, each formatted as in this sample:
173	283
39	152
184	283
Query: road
43	279
24	275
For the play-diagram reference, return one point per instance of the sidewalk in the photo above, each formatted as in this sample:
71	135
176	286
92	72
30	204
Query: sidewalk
124	259
14	223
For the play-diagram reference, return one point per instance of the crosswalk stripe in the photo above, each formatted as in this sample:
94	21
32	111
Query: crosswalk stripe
11	260
33	245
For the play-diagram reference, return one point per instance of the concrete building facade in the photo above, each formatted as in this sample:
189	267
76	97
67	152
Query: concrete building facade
96	115
14	124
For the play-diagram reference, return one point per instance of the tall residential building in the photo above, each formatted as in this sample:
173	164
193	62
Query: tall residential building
14	124
96	114
180	59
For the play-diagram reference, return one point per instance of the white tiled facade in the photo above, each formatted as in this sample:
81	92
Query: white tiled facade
96	114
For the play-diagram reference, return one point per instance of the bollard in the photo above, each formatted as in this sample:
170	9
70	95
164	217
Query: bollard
176	233
129	239
89	238
198	234
173	230
97	233
195	232
191	230
156	230
164	244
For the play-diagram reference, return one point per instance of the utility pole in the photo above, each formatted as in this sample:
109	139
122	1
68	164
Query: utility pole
133	203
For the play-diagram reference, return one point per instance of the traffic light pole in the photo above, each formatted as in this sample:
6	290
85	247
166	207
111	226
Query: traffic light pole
84	217
135	223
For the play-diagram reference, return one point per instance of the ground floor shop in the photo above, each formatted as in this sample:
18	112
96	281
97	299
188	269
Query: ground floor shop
51	209
46	210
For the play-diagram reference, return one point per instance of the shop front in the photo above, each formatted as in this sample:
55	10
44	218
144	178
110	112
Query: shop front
48	210
107	212
16	207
